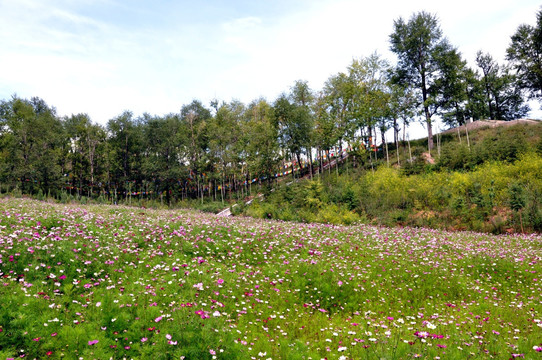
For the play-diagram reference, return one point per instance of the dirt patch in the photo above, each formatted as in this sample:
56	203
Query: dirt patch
479	124
428	158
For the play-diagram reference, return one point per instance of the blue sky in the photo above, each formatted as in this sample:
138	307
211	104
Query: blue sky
102	57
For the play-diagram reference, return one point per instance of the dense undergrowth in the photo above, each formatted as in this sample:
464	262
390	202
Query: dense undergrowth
493	185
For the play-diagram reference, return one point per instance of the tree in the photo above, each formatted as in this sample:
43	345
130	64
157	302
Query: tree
194	118
502	95
324	128
294	125
370	94
421	50
125	141
31	136
263	153
162	162
525	56
85	143
338	96
403	107
451	95
302	97
224	133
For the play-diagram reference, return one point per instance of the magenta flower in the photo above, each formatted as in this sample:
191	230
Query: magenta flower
93	342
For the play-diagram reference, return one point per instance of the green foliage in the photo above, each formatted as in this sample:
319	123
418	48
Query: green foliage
517	195
525	54
485	199
502	144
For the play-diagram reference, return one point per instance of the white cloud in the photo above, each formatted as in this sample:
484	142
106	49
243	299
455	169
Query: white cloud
150	63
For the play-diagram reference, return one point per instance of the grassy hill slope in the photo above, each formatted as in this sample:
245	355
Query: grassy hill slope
491	182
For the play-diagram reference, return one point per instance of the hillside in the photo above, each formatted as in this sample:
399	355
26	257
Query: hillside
490	181
480	124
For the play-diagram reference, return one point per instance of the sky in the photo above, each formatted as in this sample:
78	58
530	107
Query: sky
102	57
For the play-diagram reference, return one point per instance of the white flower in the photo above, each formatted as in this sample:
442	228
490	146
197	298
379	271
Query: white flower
342	348
198	286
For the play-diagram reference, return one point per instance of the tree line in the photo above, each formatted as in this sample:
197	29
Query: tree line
222	149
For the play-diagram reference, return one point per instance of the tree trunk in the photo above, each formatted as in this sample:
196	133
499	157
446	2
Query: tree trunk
310	162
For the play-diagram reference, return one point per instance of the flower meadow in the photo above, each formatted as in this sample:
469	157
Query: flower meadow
101	282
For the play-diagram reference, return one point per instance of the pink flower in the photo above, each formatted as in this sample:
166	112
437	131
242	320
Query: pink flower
144	339
220	281
537	348
421	334
158	319
93	342
212	352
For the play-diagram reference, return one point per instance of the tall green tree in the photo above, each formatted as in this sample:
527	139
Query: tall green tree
369	88
503	97
125	147
194	118
421	50
31	136
324	127
451	90
163	143
339	96
525	56
294	125
85	151
263	151
224	131
301	96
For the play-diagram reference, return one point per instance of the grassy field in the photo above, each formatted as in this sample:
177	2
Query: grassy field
100	282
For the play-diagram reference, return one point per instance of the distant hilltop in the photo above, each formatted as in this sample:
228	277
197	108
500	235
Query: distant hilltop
478	124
